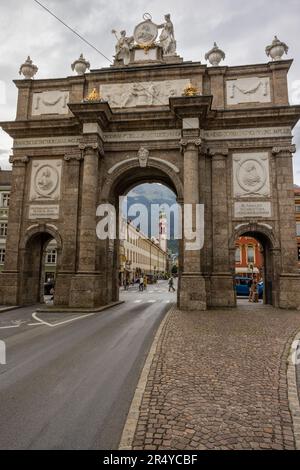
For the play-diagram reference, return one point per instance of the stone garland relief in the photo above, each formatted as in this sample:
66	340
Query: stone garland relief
129	95
251	175
50	102
248	90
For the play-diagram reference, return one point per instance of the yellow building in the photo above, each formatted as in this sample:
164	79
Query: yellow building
141	256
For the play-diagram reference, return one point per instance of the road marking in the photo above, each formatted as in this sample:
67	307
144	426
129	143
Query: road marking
151	301
137	301
53	325
11	326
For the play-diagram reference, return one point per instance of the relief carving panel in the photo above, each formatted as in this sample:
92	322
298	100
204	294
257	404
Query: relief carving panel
128	95
50	102
248	90
45	180
251	174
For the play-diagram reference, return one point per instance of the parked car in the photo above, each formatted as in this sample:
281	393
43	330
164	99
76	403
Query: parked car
242	287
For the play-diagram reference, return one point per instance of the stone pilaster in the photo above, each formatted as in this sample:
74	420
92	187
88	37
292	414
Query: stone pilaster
86	284
9	278
192	291
289	279
70	216
222	287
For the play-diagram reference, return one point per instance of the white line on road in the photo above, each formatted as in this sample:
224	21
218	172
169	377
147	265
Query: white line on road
151	301
53	325
11	326
137	301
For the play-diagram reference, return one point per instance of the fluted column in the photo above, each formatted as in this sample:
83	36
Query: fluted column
220	211
87	232
286	207
190	149
87	284
222	286
192	295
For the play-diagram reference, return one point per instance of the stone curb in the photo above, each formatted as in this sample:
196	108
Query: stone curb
293	397
134	411
8	309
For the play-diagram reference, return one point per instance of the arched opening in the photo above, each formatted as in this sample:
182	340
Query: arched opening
254	267
151	253
40	259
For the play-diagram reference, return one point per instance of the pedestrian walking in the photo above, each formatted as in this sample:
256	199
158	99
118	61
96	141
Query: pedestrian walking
253	297
171	284
145	282
141	286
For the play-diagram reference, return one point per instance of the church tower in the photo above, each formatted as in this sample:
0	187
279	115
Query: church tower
163	230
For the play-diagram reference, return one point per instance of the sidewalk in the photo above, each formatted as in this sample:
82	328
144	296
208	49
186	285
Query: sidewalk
218	381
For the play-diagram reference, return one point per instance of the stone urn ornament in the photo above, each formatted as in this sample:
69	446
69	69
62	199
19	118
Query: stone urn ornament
276	49
80	65
28	69
215	55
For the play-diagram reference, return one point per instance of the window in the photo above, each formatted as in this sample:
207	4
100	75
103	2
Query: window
51	257
2	255
297	208
5	200
3	230
237	254
298	229
250	254
298	253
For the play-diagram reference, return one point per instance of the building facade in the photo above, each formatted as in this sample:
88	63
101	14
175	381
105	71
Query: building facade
218	136
249	259
140	256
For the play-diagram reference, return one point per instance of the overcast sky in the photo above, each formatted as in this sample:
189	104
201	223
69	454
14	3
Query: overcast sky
242	29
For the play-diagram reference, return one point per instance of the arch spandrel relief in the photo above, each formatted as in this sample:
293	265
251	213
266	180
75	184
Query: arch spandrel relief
251	175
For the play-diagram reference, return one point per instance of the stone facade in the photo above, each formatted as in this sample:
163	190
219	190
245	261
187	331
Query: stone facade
228	147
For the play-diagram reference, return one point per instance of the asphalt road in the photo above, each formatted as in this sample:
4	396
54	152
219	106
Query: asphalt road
70	385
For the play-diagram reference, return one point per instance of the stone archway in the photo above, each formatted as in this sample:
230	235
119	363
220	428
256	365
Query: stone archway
270	248
33	250
119	182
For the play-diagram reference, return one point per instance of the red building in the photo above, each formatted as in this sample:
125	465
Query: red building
248	257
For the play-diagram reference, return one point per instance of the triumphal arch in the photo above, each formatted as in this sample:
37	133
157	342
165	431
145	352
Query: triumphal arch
217	135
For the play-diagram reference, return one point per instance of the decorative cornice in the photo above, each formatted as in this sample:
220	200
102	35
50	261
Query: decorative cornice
20	161
288	149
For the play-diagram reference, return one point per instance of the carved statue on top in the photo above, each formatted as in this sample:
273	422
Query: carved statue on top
145	36
167	37
123	46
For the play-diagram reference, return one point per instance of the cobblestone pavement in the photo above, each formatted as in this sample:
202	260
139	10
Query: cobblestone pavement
218	381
